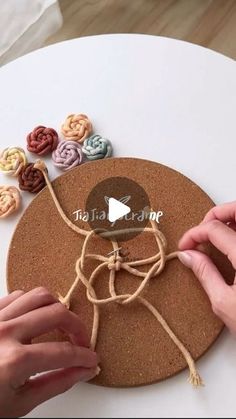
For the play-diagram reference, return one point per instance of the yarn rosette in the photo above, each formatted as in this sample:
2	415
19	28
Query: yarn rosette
96	147
12	161
67	155
42	140
31	179
77	127
10	200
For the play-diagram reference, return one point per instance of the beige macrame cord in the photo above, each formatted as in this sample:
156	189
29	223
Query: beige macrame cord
115	263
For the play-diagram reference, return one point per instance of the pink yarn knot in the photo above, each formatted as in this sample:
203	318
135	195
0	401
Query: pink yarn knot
67	155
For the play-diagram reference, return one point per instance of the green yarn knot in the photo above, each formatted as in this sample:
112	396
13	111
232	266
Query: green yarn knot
96	147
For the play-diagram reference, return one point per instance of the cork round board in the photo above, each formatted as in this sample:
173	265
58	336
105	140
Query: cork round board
133	348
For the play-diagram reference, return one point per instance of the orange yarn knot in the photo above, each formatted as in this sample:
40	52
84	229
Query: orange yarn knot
77	127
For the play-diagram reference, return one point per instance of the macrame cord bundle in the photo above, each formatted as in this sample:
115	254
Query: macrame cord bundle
115	263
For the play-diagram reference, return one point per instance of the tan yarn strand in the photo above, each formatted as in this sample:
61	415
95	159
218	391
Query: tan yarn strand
115	263
194	378
40	165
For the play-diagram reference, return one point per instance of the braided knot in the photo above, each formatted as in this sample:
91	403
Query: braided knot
67	155
12	161
115	262
77	127
10	200
31	179
42	140
97	147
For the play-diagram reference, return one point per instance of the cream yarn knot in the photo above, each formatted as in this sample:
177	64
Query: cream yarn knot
77	127
12	161
10	200
115	263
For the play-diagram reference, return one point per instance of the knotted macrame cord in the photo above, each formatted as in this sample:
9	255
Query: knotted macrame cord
115	263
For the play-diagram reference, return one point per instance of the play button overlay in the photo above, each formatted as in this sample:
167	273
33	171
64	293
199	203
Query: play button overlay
119	207
116	210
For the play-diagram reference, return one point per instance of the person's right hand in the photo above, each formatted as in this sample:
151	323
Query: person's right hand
219	228
24	316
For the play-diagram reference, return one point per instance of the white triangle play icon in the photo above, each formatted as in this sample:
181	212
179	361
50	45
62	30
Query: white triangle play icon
116	209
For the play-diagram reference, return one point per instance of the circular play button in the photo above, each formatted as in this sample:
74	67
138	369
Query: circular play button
118	206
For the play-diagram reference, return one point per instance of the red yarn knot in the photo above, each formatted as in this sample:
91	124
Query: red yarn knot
42	140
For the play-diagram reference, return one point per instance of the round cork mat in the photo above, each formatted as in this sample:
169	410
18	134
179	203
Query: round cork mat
133	347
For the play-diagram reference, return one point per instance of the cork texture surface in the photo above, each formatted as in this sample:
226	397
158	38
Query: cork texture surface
133	348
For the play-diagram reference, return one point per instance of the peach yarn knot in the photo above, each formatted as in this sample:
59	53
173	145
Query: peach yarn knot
10	200
12	161
77	127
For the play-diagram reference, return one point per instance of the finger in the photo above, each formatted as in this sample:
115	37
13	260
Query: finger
49	385
219	234
29	301
48	356
207	273
48	318
5	301
224	213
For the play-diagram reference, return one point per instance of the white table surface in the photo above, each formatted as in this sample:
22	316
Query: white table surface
155	98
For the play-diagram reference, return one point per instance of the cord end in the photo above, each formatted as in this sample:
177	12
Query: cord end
40	165
195	379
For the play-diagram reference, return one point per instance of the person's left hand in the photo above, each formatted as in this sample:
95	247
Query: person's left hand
24	316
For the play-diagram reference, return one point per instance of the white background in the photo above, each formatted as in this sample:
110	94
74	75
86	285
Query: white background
154	98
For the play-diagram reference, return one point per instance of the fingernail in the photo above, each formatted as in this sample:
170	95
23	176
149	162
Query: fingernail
98	370
185	258
89	374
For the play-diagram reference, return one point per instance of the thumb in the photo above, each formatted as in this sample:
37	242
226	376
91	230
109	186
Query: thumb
208	275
